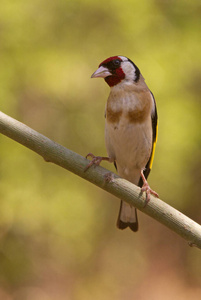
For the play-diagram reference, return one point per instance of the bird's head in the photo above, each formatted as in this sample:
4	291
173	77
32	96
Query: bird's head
117	69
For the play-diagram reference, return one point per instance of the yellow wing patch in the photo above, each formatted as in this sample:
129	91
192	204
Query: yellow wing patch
153	149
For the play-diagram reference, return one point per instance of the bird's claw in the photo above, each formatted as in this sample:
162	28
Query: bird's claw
146	188
96	160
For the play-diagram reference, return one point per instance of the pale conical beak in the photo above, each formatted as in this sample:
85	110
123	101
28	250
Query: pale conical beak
101	72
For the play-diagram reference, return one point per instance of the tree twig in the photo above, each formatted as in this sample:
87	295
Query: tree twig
59	155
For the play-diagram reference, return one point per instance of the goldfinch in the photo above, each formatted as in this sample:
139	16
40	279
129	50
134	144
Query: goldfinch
130	129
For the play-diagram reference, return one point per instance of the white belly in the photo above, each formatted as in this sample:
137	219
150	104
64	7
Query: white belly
129	144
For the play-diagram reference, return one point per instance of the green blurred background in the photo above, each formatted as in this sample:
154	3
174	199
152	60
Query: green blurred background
58	238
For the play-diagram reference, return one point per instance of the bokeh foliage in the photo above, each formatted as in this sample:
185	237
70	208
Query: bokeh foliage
57	232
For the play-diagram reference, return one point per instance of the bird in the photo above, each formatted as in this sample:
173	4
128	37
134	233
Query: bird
131	129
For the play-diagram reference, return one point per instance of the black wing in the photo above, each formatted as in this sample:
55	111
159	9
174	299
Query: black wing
154	118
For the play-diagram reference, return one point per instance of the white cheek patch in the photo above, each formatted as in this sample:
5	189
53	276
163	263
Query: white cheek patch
129	70
123	58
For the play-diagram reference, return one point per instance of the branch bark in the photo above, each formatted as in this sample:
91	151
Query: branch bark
121	188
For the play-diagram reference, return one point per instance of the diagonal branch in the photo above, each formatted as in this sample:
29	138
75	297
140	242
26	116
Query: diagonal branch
59	155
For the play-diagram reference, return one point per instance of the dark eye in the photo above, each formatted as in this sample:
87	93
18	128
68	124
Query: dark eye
116	63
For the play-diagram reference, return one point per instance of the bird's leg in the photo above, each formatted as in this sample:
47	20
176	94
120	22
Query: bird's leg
96	160
146	188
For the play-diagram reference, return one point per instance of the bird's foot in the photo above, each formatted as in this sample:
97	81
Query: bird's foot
146	188
96	160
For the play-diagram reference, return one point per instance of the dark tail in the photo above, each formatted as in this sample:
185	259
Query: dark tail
127	217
